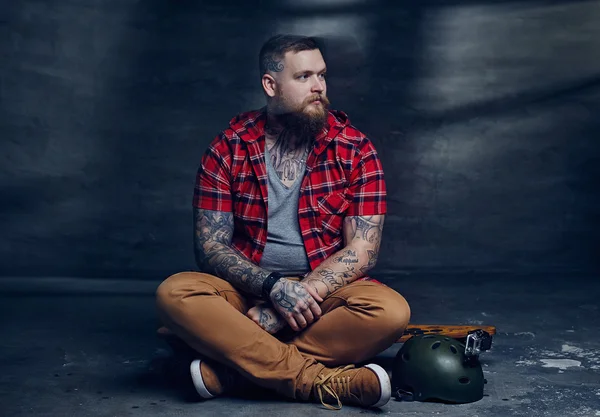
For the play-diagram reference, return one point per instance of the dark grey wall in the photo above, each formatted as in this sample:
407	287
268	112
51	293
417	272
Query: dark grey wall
485	114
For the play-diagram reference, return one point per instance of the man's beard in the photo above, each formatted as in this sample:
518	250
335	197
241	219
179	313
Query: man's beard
304	126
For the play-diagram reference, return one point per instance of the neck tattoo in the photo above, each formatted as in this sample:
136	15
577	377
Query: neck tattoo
288	156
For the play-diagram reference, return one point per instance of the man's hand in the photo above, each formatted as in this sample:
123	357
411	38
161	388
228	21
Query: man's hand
296	303
267	318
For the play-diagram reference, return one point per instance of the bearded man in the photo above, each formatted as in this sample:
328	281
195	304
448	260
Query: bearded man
289	206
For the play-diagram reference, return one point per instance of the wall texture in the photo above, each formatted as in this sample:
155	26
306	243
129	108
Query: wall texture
485	114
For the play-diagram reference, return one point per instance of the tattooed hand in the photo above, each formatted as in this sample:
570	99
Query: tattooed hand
267	318
295	302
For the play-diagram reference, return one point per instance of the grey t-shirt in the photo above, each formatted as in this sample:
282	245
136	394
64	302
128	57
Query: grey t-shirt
284	252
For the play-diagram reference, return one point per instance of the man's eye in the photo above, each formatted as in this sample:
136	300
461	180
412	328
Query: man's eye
323	75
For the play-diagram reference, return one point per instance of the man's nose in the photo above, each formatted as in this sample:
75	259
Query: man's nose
318	85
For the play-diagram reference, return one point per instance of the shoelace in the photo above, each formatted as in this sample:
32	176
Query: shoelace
334	385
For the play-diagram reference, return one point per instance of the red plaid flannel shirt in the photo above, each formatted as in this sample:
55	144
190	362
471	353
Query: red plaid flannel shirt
344	177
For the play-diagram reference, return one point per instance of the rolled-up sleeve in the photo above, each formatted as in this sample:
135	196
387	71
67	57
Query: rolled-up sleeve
212	190
367	184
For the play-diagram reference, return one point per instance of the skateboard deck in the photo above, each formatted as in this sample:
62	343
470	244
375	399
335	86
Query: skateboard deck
458	332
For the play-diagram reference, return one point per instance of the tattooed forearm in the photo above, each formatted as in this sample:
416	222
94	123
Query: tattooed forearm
362	236
331	280
212	240
347	257
340	270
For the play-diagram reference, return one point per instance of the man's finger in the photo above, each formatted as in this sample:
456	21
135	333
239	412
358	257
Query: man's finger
308	315
300	320
313	293
292	322
315	309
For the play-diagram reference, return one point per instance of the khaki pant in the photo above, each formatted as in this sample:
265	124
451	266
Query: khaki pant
359	321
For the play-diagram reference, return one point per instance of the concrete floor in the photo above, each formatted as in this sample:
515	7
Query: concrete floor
88	348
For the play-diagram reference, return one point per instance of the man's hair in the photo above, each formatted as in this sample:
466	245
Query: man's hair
273	51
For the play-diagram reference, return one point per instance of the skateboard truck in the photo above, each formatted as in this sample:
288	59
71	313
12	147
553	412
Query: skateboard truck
477	341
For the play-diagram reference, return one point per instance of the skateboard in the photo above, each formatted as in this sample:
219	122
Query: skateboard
459	332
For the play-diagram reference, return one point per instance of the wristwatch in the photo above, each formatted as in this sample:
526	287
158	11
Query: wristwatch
269	282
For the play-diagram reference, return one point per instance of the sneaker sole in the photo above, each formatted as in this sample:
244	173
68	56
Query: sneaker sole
384	383
198	381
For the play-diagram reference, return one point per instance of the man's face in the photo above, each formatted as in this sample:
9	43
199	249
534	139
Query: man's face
301	89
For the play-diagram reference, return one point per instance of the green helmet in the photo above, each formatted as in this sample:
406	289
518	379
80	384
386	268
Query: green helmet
436	368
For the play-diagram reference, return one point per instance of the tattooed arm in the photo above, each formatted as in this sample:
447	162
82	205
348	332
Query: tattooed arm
294	301
214	254
362	238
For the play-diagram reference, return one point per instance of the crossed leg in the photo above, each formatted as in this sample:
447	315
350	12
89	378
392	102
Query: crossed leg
209	315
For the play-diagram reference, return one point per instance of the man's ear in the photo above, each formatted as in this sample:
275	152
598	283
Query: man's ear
269	85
